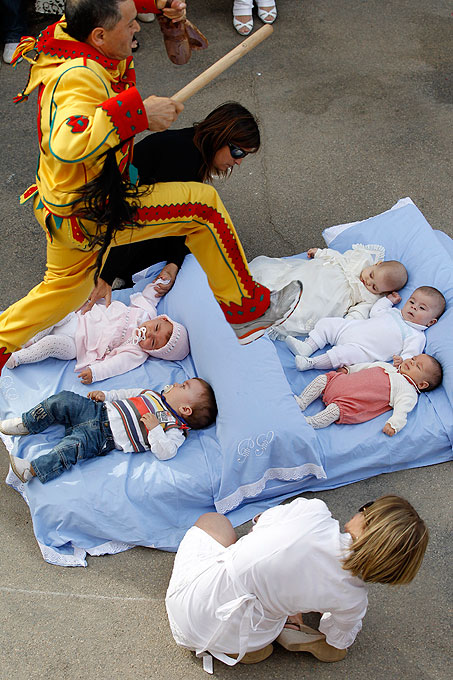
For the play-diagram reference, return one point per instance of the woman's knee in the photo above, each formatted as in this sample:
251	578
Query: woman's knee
217	526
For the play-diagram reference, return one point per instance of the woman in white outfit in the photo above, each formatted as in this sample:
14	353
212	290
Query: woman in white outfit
230	598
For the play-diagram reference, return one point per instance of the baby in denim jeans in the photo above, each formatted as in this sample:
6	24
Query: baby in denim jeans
132	420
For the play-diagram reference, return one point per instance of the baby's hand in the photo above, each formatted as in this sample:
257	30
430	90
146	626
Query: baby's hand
168	273
394	297
86	376
388	429
312	252
343	369
97	395
397	360
149	420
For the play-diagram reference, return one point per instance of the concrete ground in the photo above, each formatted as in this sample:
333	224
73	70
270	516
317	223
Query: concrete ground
355	105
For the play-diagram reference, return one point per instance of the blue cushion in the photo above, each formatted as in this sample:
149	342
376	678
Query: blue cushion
261	450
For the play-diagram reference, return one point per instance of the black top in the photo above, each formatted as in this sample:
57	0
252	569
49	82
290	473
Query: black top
169	156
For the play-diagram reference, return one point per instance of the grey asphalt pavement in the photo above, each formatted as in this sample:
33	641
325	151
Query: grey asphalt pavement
355	103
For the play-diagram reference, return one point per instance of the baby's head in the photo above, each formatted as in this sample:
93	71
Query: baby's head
164	338
194	400
424	307
424	370
384	277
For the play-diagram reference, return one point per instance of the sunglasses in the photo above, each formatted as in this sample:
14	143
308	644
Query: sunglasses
237	152
364	507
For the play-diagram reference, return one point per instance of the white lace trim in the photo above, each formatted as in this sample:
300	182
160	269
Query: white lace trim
77	559
15	483
284	474
110	548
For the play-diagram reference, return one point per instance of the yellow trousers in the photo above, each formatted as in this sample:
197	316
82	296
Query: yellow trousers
186	209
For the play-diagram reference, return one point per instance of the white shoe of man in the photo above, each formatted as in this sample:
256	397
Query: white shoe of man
146	17
8	51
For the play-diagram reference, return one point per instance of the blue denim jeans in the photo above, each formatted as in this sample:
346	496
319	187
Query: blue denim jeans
87	432
13	15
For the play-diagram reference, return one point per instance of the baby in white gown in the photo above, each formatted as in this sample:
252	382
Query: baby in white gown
335	284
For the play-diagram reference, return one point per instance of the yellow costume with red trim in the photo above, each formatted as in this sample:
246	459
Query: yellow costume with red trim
87	104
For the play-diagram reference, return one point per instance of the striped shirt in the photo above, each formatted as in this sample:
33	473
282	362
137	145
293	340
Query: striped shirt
125	409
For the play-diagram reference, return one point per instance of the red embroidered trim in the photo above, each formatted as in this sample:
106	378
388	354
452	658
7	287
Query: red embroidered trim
4	356
127	152
71	49
77	123
29	192
127	113
256	298
251	308
129	74
77	232
147	7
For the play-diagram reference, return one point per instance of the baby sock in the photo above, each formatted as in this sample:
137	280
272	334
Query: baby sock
306	363
311	392
56	346
301	347
324	418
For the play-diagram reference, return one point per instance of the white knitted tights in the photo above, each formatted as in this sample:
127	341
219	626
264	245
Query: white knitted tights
324	418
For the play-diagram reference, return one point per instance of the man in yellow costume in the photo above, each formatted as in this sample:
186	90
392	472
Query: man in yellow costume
88	104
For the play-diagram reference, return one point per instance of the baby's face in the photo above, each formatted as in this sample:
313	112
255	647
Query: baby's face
417	368
420	309
158	333
187	393
374	280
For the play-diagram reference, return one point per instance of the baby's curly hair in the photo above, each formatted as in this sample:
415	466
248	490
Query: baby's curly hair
204	412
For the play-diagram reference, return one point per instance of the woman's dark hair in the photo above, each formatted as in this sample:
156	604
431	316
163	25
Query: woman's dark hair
109	200
230	123
82	16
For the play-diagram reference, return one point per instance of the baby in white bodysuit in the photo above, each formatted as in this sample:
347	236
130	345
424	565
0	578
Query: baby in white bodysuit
388	334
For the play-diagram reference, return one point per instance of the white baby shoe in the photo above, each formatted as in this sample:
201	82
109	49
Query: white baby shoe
13	426
298	346
303	363
21	468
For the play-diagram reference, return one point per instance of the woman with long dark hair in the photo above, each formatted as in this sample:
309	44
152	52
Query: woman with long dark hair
208	149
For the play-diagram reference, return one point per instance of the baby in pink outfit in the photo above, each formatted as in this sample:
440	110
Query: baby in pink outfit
361	392
108	341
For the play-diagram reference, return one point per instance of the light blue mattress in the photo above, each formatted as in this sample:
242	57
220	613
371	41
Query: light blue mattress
261	450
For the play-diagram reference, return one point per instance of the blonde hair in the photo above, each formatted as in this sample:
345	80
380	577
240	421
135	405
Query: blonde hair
392	545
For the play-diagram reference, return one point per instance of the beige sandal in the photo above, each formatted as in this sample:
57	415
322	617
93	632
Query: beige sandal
256	656
309	640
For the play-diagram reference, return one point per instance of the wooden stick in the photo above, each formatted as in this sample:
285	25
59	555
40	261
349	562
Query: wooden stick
223	63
